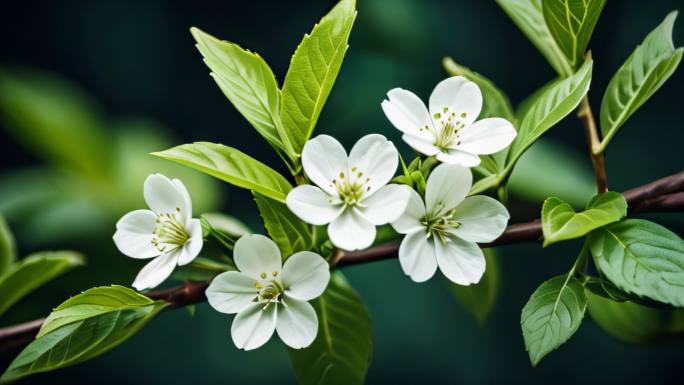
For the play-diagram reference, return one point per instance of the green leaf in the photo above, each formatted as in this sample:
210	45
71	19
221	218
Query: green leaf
341	352
248	82
495	102
230	165
84	327
529	101
484	184
552	315
28	274
642	258
560	221
528	16
552	106
646	69
480	298
631	322
287	231
226	224
8	249
571	24
313	70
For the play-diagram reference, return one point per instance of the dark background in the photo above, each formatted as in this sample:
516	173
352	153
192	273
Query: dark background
137	59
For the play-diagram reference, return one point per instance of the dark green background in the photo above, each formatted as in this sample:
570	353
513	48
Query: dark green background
137	58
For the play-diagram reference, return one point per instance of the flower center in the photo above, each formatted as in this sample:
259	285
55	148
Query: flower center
450	124
351	188
439	226
169	232
269	293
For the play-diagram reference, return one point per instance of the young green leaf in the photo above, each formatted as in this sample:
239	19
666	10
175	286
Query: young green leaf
552	106
248	82
552	315
230	165
631	322
480	298
571	24
287	231
341	352
28	274
84	327
642	74
313	70
642	258
528	16
226	224
8	249
560	221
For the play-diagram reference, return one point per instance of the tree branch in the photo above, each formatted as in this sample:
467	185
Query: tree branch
597	159
662	195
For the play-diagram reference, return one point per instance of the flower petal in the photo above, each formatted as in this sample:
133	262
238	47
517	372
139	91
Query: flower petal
460	261
464	159
187	209
256	255
407	113
487	136
446	187
312	205
193	246
253	326
482	219
133	236
425	147
409	221
323	158
156	271
230	292
297	323
417	256
373	159
305	275
351	231
460	96
387	204
162	196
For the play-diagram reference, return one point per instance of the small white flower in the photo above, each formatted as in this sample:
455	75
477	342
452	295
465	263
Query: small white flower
167	232
444	230
352	194
267	297
448	131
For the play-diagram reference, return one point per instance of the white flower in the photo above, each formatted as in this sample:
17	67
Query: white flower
449	130
167	232
352	194
443	230
266	297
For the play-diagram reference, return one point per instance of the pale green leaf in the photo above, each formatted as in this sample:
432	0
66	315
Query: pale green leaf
226	224
552	106
528	16
26	275
230	165
313	70
560	221
342	350
84	327
484	184
642	258
480	297
8	248
248	82
642	74
552	315
631	322
571	23
287	231
529	101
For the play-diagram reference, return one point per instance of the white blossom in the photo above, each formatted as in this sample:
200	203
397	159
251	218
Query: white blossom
449	130
269	298
166	232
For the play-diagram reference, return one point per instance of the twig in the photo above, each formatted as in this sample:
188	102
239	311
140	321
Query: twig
597	158
666	194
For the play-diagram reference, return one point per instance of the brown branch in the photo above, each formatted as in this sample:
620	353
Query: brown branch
666	194
597	159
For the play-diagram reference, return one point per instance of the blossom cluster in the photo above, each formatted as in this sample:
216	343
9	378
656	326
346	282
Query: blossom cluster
350	193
